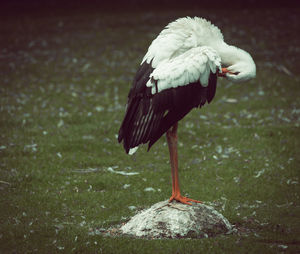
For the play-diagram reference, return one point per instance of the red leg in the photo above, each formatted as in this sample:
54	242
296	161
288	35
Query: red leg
172	143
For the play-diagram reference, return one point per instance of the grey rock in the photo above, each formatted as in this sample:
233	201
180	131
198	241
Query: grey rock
176	220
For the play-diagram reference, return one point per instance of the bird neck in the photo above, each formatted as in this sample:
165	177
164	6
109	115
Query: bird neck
237	61
230	54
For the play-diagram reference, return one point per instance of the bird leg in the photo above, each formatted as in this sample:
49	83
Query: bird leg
172	144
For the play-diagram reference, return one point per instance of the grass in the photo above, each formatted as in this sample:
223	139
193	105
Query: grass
64	83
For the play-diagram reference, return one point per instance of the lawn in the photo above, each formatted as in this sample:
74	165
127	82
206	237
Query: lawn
65	76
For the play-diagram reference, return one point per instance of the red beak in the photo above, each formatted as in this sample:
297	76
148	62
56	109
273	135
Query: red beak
224	71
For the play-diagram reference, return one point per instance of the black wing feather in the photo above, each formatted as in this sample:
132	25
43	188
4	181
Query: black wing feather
149	116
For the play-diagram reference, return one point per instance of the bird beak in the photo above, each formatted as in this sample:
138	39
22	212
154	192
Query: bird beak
224	71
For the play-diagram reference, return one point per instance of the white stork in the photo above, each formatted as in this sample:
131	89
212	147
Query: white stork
178	73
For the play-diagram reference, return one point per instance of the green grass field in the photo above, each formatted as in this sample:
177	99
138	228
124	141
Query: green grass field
65	76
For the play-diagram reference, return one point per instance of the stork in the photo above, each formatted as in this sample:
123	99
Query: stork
178	73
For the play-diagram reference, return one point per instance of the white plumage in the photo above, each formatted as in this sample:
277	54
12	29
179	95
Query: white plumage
180	36
188	49
193	65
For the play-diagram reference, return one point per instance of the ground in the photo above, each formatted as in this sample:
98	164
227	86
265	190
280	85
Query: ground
65	75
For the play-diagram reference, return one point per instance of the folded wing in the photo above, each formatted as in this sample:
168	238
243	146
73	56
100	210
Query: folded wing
161	96
194	65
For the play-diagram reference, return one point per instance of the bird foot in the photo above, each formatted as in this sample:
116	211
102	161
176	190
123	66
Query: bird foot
183	200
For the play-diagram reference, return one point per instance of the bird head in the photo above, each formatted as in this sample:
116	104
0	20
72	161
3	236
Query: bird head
239	66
